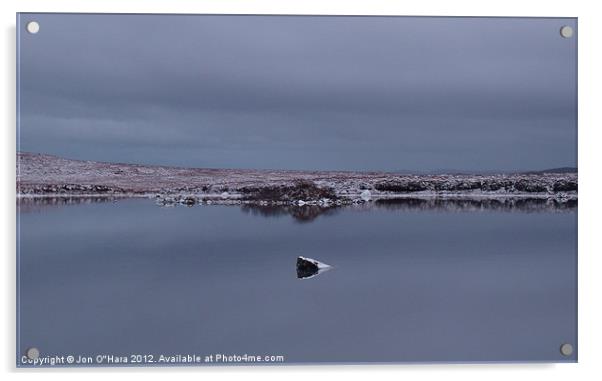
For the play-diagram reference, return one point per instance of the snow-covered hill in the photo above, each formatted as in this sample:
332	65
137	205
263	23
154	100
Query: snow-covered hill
40	175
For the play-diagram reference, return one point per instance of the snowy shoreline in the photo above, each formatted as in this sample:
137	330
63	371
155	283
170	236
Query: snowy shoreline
45	176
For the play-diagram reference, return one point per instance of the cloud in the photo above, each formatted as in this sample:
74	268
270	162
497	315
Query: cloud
379	93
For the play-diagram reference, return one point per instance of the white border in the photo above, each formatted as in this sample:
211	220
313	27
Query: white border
590	123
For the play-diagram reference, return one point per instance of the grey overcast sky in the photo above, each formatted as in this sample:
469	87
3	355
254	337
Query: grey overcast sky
297	92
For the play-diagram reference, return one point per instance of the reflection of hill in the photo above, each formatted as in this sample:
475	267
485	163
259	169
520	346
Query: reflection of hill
306	213
37	204
474	205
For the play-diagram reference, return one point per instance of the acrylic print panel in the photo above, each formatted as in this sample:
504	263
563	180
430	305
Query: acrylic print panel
223	190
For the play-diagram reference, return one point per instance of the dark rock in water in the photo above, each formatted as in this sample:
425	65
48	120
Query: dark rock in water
189	201
308	267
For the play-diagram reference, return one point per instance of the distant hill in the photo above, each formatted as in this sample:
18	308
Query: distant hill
555	170
460	172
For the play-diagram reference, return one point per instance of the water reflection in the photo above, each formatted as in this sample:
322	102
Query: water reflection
309	213
303	214
473	205
38	204
132	277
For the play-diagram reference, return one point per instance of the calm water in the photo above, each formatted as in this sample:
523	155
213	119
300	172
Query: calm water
408	285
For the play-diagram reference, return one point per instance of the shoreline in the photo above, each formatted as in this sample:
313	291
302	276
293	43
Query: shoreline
357	198
190	199
46	176
307	212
